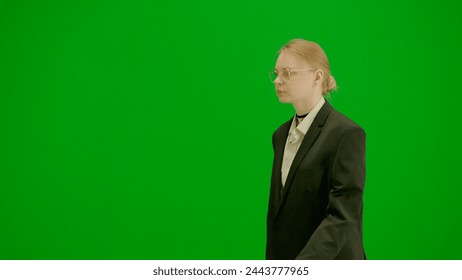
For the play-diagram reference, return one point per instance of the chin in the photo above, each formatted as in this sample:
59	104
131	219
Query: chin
283	99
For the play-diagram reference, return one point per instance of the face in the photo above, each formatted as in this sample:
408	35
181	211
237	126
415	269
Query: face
299	87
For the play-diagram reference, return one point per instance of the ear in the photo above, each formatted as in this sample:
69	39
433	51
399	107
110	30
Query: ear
318	75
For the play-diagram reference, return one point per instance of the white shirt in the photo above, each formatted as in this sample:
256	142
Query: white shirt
295	138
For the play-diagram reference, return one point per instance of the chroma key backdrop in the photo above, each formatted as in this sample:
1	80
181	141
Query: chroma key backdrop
142	129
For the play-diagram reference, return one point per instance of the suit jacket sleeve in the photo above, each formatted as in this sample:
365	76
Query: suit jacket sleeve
345	203
274	140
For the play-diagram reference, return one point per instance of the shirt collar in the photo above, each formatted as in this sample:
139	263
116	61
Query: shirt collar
306	123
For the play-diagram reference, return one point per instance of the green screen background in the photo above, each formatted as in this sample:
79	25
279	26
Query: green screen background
142	130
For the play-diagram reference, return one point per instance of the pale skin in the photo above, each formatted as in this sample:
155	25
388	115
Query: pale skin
304	88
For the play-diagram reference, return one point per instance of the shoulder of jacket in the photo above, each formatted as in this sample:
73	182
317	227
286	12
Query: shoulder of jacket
282	126
344	122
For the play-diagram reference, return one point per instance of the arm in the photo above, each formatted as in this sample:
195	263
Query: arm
343	212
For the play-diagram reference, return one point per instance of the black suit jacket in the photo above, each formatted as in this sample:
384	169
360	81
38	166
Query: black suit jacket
318	214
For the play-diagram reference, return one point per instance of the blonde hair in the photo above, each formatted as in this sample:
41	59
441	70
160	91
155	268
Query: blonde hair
313	54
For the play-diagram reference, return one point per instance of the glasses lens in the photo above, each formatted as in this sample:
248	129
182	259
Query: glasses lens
285	74
273	75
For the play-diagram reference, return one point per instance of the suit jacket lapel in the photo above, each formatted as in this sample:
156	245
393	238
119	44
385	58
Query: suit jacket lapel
305	146
278	156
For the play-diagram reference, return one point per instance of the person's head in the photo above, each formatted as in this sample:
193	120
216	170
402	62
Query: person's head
302	73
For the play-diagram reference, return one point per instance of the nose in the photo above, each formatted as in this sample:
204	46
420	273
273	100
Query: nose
278	81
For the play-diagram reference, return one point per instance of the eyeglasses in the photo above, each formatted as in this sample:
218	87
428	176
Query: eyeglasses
285	75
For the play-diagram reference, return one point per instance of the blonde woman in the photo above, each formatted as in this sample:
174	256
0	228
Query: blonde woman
317	183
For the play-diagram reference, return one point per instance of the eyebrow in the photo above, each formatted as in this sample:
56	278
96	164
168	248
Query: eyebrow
283	68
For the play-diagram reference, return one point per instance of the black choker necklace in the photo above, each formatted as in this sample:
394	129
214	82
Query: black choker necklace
302	116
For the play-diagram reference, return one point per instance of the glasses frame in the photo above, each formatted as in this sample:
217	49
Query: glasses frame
289	72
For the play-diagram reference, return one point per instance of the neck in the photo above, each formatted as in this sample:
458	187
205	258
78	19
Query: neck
301	116
303	108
